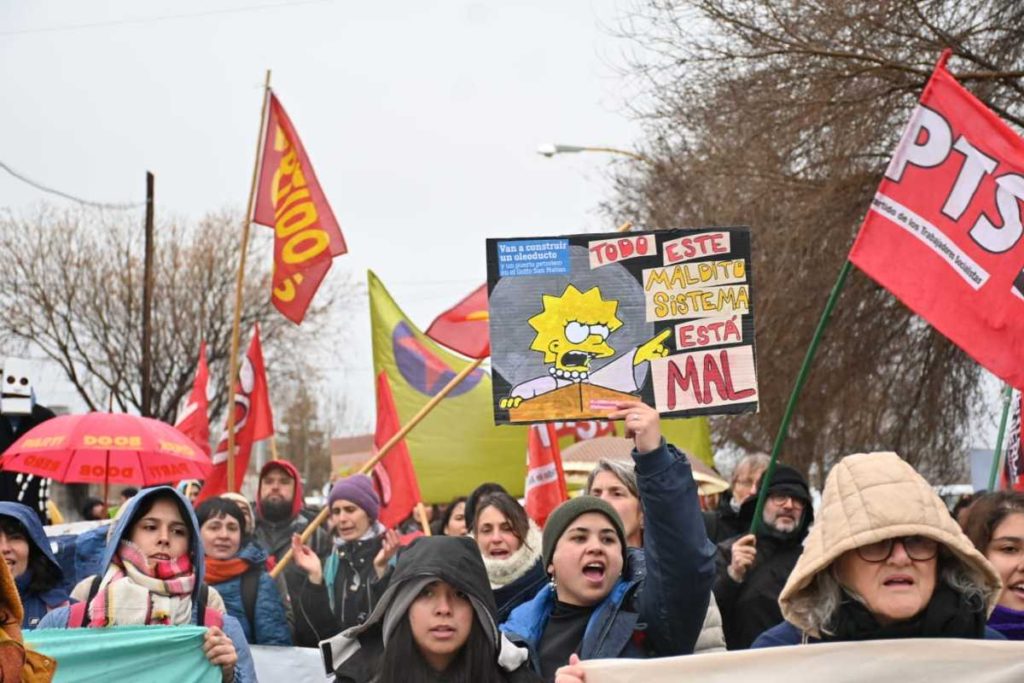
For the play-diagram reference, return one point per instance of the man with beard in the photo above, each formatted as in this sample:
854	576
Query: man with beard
279	514
752	570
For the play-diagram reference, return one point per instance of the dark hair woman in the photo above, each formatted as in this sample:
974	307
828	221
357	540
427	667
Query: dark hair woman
436	621
453	521
995	525
152	575
510	544
237	567
27	553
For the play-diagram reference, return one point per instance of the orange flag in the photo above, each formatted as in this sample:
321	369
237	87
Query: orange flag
289	199
253	420
393	477
194	421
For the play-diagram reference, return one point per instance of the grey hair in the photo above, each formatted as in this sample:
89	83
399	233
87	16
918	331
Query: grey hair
623	471
755	461
815	606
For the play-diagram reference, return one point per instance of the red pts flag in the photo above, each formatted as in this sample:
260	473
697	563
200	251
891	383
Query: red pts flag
464	326
253	420
584	430
194	421
545	480
289	199
393	477
944	230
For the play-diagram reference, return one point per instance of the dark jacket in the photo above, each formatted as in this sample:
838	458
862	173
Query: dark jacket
271	624
750	607
723	522
521	590
659	613
355	655
35	601
788	634
354	591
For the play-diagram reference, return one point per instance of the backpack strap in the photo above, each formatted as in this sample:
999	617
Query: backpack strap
78	617
250	586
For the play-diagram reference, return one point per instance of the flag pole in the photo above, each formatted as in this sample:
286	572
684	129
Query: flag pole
236	325
421	513
801	377
372	462
997	455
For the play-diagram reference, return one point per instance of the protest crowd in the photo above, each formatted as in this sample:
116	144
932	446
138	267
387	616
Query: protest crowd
510	577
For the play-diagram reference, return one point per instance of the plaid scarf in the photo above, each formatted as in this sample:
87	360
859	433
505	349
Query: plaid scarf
135	591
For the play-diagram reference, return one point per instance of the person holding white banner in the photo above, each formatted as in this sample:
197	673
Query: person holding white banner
884	560
596	605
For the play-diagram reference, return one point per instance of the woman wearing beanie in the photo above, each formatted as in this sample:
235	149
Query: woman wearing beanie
510	544
435	622
597	605
995	525
342	588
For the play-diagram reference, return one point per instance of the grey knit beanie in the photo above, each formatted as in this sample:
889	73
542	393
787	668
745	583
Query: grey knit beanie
563	516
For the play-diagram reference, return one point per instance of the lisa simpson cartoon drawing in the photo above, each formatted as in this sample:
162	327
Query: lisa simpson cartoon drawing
573	330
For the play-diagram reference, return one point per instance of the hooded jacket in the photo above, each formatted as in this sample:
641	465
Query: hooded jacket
36	603
244	669
750	607
870	497
270	625
354	655
18	663
657	613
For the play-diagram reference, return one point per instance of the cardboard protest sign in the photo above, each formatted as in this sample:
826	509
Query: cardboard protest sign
944	229
579	322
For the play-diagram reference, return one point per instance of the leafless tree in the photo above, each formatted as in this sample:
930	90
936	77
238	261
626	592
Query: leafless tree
71	287
782	116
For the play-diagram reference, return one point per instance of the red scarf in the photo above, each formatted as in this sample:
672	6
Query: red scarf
219	571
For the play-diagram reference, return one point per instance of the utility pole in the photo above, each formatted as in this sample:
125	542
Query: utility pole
147	306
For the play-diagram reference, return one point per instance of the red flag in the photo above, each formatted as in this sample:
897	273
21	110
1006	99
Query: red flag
393	477
464	326
944	230
194	421
545	480
289	199
253	420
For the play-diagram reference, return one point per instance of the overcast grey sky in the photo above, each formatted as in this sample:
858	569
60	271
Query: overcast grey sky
421	118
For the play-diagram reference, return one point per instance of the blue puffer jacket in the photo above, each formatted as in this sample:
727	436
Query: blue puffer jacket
788	634
659	613
245	671
271	627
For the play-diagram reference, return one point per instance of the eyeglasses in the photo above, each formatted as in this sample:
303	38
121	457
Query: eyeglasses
918	548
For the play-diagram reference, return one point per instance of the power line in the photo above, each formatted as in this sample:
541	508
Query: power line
167	17
39	186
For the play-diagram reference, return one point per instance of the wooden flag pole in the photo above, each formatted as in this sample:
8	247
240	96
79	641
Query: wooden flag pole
421	513
801	377
625	227
372	462
998	454
239	282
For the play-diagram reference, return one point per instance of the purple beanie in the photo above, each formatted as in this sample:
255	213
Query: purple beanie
357	489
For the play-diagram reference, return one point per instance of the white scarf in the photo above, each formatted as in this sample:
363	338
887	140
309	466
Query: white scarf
501	572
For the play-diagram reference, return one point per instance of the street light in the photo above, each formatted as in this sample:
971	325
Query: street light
549	150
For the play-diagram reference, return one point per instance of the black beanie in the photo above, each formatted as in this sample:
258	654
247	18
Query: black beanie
567	512
788	481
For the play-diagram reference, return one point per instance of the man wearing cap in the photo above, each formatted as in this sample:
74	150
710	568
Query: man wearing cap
753	569
597	604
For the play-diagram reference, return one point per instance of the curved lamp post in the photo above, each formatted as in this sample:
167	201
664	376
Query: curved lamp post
549	150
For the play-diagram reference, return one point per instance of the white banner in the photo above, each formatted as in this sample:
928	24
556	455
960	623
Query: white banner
878	661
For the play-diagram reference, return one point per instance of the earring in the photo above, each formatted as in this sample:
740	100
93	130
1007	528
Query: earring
554	584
